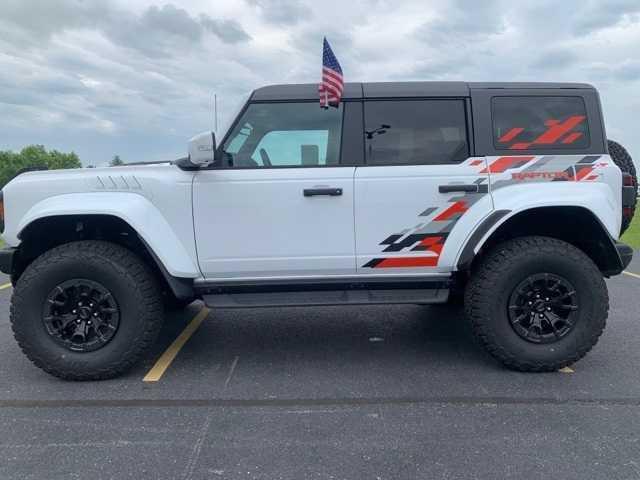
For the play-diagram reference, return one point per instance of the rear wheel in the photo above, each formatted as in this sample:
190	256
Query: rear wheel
623	160
537	303
86	310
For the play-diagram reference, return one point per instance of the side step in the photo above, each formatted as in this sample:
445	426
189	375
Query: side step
305	294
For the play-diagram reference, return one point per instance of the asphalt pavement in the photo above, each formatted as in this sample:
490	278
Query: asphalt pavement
381	392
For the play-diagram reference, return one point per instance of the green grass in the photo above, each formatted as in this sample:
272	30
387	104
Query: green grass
632	235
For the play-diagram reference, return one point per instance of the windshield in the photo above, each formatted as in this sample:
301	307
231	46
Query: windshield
228	119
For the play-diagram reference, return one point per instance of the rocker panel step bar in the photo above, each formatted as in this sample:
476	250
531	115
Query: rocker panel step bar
325	297
278	294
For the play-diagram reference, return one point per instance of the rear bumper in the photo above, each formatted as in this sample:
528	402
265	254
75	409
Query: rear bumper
625	252
6	260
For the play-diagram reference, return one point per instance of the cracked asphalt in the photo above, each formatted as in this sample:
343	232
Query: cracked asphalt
384	392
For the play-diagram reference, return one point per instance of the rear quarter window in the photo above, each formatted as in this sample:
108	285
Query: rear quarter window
539	122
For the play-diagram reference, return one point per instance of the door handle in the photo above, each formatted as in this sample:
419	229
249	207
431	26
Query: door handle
473	188
331	192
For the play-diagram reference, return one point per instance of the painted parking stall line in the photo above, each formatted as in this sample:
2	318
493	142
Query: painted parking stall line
5	286
635	275
163	363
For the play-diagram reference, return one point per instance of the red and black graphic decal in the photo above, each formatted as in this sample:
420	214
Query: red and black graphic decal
557	133
431	237
420	242
506	163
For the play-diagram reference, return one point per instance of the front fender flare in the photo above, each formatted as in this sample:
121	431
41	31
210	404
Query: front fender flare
134	209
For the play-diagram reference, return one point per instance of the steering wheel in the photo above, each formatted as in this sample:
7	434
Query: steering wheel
266	161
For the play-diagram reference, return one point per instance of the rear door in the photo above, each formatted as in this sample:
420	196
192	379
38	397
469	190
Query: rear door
281	206
420	193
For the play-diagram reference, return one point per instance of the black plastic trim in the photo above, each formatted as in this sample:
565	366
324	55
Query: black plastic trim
468	252
628	196
625	252
320	284
6	260
331	192
327	297
458	187
182	288
1	211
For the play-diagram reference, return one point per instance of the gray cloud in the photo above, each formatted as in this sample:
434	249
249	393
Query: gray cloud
229	31
594	16
283	12
157	31
463	21
116	77
554	59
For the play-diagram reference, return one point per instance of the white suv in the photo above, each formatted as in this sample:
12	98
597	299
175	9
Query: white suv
405	193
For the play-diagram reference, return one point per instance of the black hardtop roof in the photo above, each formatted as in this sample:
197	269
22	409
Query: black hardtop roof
309	91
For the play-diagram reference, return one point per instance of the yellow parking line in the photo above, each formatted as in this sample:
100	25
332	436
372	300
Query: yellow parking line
631	274
170	353
6	285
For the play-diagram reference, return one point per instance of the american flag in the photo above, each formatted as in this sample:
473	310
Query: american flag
332	84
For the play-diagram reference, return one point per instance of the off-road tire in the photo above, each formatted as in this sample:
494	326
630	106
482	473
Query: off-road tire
133	287
495	278
623	160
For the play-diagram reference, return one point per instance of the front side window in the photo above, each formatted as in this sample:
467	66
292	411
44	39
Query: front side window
284	135
415	132
537	123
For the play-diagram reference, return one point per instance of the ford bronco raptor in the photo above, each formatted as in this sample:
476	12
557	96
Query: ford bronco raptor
506	193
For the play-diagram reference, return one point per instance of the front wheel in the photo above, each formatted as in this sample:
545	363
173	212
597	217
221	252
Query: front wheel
537	304
86	310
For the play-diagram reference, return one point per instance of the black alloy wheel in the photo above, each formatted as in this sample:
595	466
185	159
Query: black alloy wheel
81	315
542	308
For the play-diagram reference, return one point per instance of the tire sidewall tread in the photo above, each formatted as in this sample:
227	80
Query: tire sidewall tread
133	287
488	291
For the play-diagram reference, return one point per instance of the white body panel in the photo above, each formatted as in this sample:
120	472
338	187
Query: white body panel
596	191
256	223
404	202
155	200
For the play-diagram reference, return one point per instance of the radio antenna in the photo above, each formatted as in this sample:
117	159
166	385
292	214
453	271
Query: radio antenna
215	112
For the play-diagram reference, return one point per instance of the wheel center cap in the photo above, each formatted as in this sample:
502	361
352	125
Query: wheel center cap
539	305
85	313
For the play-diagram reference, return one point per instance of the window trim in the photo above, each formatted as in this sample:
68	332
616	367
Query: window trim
543	149
467	124
217	165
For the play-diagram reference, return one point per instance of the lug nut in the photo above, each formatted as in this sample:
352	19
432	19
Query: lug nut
548	308
547	299
537	295
89	322
530	303
541	316
79	304
74	311
78	321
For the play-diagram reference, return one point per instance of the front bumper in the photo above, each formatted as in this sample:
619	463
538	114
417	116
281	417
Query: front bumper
6	260
625	252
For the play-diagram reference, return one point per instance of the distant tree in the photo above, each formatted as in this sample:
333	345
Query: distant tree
34	156
116	161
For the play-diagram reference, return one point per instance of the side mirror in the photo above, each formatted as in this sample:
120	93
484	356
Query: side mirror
202	149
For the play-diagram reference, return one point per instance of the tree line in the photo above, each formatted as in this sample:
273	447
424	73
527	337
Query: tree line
37	156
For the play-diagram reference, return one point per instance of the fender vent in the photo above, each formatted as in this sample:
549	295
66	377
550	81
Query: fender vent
117	182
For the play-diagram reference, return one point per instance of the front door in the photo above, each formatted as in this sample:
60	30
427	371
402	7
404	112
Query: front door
281	206
420	194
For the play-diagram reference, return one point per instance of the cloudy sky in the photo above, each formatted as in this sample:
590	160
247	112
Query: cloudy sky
136	77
